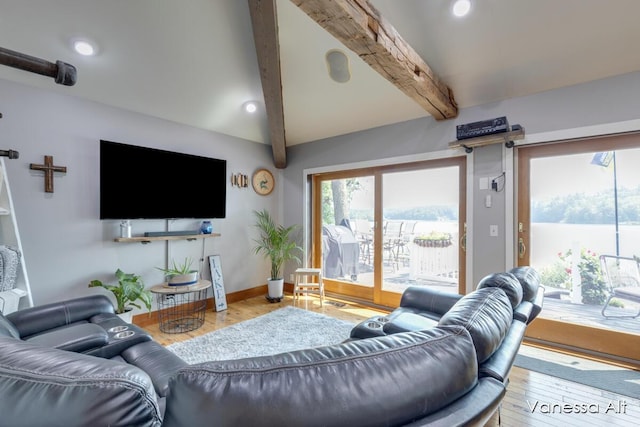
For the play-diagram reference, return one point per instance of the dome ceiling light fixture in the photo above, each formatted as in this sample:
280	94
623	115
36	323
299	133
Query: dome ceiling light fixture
461	8
338	66
250	107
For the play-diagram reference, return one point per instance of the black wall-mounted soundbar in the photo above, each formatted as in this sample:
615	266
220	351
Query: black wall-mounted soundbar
171	233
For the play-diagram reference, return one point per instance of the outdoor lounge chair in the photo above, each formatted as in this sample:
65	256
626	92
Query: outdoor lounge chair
622	275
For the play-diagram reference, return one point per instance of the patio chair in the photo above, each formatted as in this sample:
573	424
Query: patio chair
622	275
392	235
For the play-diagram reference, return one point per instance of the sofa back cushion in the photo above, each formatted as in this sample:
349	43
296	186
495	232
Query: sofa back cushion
529	279
7	329
42	386
505	281
487	314
389	380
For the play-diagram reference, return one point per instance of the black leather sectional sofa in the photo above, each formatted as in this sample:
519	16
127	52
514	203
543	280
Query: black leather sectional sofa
62	364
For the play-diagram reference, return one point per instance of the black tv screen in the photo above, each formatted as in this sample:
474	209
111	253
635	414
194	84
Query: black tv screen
147	183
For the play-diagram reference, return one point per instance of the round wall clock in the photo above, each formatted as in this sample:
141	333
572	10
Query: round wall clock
263	181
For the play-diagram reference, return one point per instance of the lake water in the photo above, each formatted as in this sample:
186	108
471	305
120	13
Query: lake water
547	240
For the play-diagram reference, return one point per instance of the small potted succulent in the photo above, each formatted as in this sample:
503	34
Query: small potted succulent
180	274
129	289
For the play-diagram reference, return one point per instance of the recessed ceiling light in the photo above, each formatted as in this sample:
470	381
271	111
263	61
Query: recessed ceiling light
250	106
461	7
83	47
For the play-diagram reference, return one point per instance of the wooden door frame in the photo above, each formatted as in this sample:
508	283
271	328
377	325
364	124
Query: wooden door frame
375	294
605	344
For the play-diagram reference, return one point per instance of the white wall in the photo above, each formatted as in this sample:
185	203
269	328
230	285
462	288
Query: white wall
64	242
595	105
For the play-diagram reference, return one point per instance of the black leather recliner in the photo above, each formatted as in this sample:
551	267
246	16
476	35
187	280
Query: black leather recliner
98	367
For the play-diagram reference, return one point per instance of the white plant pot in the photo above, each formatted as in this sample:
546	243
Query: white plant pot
183	279
276	288
127	316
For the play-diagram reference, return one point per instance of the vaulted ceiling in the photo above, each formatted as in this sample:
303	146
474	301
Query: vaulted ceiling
195	62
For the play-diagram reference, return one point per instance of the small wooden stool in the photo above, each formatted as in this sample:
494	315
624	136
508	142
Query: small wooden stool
301	283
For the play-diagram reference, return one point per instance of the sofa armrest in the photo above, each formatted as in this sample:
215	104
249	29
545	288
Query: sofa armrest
77	338
537	304
407	322
35	320
429	300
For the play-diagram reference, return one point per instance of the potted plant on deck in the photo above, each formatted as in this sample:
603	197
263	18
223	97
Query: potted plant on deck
276	244
129	289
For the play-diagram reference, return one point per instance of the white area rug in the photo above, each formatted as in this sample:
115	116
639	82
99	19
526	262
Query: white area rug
279	331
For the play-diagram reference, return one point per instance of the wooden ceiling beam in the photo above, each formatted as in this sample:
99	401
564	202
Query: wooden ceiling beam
361	28
264	21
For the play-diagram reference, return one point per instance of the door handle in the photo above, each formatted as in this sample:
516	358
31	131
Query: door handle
463	239
521	248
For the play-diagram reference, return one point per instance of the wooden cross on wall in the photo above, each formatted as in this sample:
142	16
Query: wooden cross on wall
48	168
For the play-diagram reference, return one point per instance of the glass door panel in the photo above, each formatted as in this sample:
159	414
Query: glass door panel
582	206
576	201
420	237
348	235
377	231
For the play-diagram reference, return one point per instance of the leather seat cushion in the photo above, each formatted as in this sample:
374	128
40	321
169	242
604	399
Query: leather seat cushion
487	314
78	338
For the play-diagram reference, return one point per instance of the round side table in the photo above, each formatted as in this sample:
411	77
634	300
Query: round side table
181	308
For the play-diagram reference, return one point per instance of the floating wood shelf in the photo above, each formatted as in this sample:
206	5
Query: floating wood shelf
145	239
507	138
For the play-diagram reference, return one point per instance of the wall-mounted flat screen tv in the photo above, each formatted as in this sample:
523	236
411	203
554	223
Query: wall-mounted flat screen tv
147	183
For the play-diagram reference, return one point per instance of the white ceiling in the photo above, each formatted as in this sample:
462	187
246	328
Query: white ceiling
194	61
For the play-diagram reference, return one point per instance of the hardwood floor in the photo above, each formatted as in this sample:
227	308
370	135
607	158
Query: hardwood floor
532	399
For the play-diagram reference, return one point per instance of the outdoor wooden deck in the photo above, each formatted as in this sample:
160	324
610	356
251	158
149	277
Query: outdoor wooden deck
590	315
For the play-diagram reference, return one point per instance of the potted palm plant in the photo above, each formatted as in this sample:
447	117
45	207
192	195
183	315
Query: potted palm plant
129	289
276	244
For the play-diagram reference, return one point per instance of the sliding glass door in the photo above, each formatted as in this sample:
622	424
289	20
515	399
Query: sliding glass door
379	230
577	201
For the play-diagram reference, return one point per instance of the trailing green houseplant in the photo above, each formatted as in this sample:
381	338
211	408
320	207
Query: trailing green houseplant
276	244
127	292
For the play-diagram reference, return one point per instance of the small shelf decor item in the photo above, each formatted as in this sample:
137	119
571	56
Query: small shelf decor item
206	227
180	274
129	289
263	182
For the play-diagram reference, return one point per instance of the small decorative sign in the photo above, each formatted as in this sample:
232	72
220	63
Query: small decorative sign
219	295
239	180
